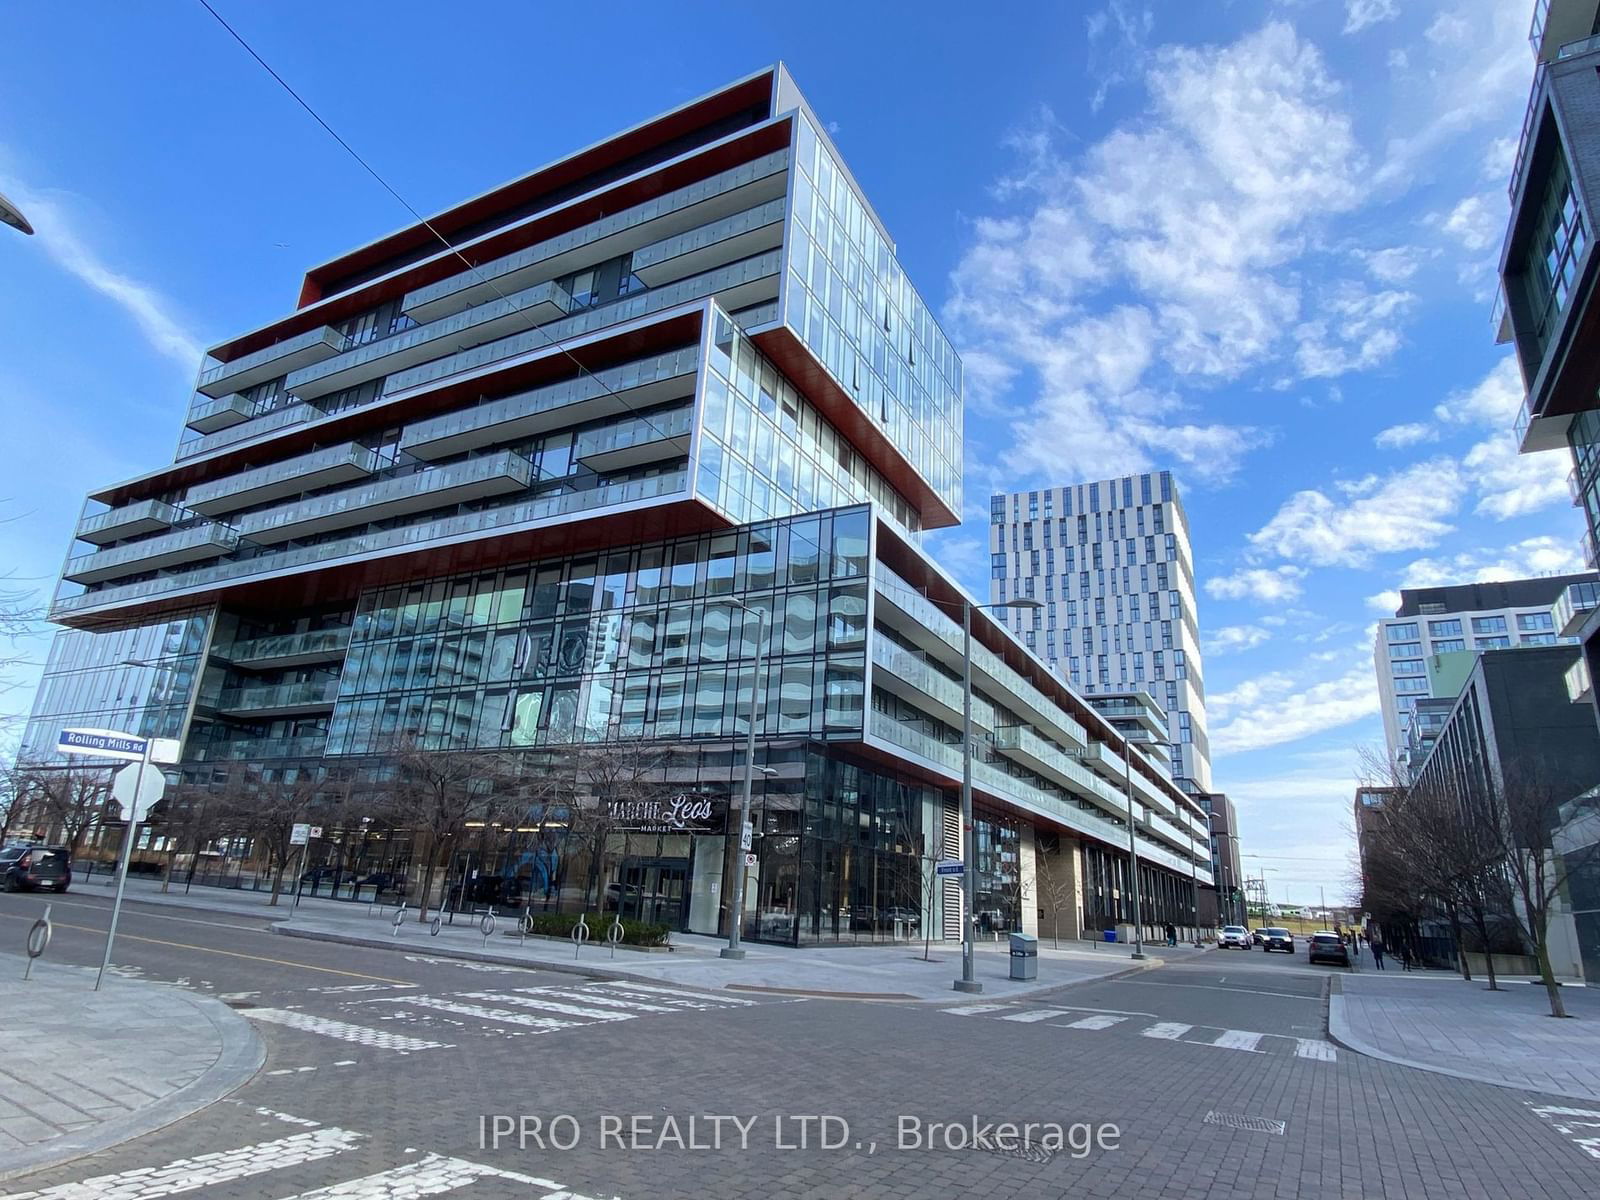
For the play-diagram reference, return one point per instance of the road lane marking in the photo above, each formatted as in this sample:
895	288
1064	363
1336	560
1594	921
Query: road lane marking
1038	1014
589	997
676	995
278	962
972	1010
162	916
430	1176
1563	1120
1170	1031
1235	1039
1314	1048
503	1016
554	1006
1211	987
1101	1021
380	1039
203	1170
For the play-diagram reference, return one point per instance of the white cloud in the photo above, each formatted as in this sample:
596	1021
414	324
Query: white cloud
1499	156
1493	402
150	311
1477	221
1270	585
1359	14
1385	603
1393	264
1532	556
1511	484
1232	638
1408	509
1164	259
1282	707
1397	437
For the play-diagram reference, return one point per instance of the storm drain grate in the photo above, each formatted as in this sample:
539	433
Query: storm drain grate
1248	1124
237	1004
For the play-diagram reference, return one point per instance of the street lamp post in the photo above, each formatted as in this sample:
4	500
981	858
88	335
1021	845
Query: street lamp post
11	215
1133	851
969	881
736	904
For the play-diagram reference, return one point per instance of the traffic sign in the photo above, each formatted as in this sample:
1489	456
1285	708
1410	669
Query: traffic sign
749	860
299	835
316	832
950	868
137	787
103	743
747	838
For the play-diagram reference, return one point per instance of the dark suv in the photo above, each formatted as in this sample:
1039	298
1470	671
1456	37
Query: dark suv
1277	939
35	868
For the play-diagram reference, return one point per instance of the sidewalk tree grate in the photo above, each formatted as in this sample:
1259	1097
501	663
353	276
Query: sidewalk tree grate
1248	1124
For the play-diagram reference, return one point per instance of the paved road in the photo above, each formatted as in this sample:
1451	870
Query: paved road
386	1071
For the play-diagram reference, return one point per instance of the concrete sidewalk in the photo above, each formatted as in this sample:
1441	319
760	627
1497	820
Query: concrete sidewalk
870	972
82	1070
1441	1023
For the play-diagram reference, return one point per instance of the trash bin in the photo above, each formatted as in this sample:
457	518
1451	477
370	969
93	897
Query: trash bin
1024	956
1111	935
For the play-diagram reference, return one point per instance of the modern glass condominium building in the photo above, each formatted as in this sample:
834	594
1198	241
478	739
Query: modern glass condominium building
662	426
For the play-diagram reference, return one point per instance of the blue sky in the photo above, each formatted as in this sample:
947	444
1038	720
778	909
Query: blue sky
1251	240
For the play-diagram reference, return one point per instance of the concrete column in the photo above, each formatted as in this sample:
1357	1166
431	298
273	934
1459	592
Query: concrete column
1027	875
1059	876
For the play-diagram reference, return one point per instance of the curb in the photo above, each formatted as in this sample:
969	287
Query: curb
241	1055
1339	1033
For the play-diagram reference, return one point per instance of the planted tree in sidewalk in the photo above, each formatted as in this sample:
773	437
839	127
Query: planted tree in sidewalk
608	778
267	810
68	801
1534	805
191	817
1057	883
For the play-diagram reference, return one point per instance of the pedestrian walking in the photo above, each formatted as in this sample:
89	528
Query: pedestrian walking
1375	944
1172	934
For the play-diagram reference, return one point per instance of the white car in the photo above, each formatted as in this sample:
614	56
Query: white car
1235	936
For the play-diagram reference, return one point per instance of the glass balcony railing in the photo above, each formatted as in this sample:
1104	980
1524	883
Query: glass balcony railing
661	377
128	520
667	431
739	236
304	472
280	358
186	545
245	749
737	285
284	647
733	184
1578	682
1581	46
461	525
207	415
318	693
483	323
286	417
1573	606
927	681
491	475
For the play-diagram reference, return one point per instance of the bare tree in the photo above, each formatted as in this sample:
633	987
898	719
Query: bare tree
607	779
191	816
1058	887
267	812
1533	804
68	800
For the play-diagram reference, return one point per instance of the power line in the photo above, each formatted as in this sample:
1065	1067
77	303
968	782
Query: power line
423	221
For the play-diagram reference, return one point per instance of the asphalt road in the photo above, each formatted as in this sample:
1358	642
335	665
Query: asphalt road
387	1071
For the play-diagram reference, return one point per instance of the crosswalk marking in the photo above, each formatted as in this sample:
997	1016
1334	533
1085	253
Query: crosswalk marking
675	995
555	1006
1312	1048
607	1001
380	1039
203	1170
1169	1030
1095	1022
430	1176
1038	1014
971	1010
502	1015
1237	1039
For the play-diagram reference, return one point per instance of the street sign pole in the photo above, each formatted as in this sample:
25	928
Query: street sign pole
122	867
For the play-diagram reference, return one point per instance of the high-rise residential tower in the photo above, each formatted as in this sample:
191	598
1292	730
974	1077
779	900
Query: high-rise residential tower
649	443
1110	562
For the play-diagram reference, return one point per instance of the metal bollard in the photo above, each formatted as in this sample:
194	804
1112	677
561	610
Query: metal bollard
614	934
38	940
486	926
580	935
399	918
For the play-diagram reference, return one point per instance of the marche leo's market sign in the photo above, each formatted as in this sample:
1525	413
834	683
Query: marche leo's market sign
683	813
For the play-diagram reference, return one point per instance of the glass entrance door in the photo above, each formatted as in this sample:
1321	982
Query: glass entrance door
654	890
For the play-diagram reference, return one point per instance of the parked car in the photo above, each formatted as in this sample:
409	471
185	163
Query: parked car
1235	937
1328	947
1276	939
35	868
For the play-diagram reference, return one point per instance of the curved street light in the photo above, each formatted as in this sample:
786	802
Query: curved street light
11	215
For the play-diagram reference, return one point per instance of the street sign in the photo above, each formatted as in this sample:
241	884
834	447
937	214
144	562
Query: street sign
316	832
103	743
747	837
299	835
164	750
137	787
950	868
749	860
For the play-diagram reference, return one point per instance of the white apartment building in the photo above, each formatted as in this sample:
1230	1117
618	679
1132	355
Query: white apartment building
1111	564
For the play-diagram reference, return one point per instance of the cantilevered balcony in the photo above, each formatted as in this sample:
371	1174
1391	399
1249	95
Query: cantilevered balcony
207	415
493	319
1573	606
152	554
280	358
130	520
289	649
436	487
711	246
1541	433
309	745
1025	746
269	422
700	203
911	678
1579	684
279	699
605	393
634	441
304	473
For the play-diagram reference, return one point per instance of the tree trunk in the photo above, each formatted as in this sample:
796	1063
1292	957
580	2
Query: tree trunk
1481	920
428	873
1461	946
1558	1006
277	883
